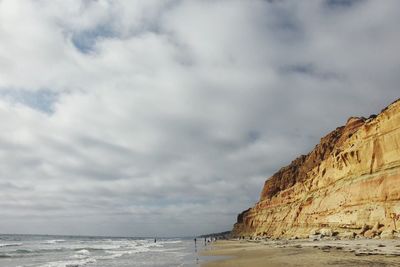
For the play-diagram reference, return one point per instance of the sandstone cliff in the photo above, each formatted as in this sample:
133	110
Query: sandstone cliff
349	182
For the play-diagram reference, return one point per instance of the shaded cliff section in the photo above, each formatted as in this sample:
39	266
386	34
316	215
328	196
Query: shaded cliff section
350	180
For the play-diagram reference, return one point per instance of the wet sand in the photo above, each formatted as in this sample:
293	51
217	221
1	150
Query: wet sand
304	253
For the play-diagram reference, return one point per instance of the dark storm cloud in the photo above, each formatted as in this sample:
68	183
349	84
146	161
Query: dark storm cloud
166	117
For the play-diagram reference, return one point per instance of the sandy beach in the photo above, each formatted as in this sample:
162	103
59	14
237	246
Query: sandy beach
361	252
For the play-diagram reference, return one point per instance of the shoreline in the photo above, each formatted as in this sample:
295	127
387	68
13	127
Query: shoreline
357	252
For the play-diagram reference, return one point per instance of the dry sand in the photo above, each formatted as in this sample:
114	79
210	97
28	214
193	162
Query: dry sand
365	252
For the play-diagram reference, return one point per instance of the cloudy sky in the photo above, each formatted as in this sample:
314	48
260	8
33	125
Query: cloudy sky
160	117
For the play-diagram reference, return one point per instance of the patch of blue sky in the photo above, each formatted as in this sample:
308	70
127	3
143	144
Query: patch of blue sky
85	41
42	100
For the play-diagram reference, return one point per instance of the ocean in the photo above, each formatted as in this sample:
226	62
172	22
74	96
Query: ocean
75	251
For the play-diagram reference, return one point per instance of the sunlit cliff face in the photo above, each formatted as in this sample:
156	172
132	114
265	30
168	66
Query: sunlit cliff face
348	182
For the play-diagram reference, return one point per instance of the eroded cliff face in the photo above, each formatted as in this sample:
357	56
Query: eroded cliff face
351	180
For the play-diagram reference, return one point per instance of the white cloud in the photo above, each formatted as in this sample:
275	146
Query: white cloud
169	115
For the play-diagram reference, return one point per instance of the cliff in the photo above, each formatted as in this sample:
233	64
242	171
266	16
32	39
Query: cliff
349	182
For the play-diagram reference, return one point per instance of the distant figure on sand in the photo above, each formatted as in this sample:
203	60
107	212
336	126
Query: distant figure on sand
155	240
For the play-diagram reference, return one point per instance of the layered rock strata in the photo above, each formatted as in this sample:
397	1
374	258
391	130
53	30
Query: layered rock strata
349	183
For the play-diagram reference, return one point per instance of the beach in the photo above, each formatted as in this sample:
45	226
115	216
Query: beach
358	252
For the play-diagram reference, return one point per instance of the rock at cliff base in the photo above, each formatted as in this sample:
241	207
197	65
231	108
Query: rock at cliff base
347	235
370	233
326	232
387	234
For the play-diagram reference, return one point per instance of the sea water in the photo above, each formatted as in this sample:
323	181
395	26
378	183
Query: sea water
73	251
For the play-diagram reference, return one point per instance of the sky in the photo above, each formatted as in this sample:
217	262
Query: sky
165	117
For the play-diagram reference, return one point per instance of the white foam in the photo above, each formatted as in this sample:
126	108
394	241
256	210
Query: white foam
149	245
73	263
55	241
113	255
96	247
119	253
83	252
171	242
